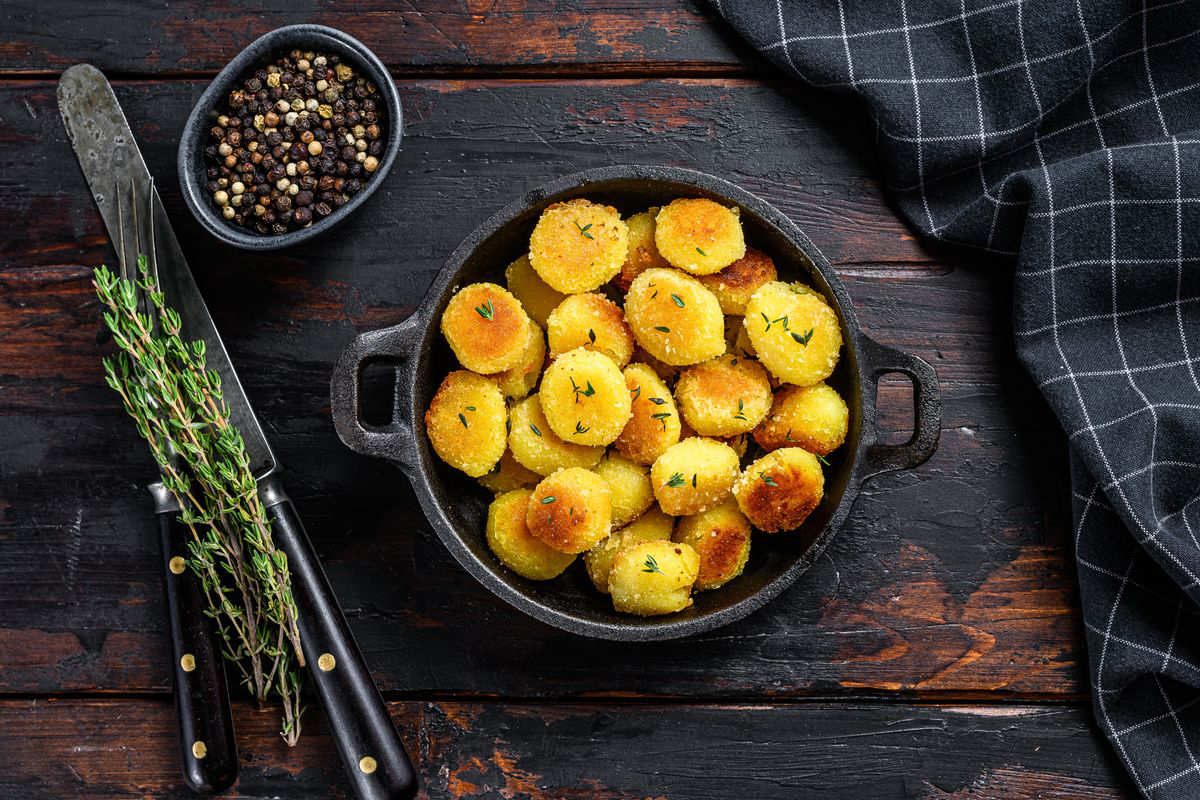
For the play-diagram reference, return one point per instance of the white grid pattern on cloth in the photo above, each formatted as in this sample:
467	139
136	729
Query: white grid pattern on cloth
1080	157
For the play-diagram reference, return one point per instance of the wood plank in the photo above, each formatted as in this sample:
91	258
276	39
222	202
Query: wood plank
954	578
193	36
115	749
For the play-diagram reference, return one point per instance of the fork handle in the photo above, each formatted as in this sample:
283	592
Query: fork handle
206	740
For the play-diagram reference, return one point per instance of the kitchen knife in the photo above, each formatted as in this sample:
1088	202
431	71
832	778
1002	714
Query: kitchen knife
371	751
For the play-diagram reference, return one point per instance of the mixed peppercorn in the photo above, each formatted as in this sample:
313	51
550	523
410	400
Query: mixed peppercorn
294	142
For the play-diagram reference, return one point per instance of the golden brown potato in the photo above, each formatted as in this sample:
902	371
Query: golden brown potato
794	332
778	491
509	475
570	510
812	417
465	422
651	526
630	484
486	328
724	397
584	398
734	285
577	246
674	318
521	378
694	476
654	421
509	538
591	321
536	447
535	295
643	253
653	578
721	536
699	236
667	372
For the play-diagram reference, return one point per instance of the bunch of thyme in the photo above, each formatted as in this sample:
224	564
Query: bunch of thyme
177	406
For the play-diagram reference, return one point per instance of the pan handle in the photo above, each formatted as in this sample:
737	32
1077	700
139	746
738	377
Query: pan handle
395	440
927	414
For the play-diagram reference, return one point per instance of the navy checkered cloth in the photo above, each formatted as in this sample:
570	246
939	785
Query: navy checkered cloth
1067	134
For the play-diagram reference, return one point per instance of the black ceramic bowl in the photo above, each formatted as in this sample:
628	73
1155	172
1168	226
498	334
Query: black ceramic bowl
190	160
456	506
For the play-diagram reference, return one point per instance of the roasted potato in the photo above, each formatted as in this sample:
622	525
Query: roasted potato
593	322
778	491
654	421
536	296
667	372
653	577
674	318
570	510
699	236
519	380
536	447
794	332
734	285
630	484
694	476
578	246
651	526
725	396
486	328
509	538
584	398
465	422
813	417
643	253
721	536
509	475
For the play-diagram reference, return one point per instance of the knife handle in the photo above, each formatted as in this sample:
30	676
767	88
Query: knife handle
372	754
206	739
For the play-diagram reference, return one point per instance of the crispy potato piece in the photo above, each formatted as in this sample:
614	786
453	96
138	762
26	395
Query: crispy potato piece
813	417
643	253
520	379
651	526
570	510
721	536
509	538
653	578
578	246
486	328
509	475
465	422
630	484
694	476
794	332
536	296
591	321
674	318
699	236
654	422
734	285
725	396
584	398
667	372
536	447
778	491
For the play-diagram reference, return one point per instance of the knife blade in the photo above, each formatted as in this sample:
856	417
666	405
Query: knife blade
105	148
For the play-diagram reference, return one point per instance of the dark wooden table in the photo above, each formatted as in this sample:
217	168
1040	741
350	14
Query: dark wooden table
934	651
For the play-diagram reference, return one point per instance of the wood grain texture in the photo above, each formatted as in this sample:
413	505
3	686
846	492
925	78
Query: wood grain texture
952	578
115	749
194	36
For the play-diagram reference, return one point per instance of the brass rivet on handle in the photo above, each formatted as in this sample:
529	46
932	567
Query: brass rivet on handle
367	765
178	565
199	749
326	662
188	662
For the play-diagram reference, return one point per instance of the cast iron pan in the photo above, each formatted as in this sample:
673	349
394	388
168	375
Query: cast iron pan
456	506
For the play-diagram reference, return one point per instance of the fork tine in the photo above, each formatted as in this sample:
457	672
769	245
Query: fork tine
152	250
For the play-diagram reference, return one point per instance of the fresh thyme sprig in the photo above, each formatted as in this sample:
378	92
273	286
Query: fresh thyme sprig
178	408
